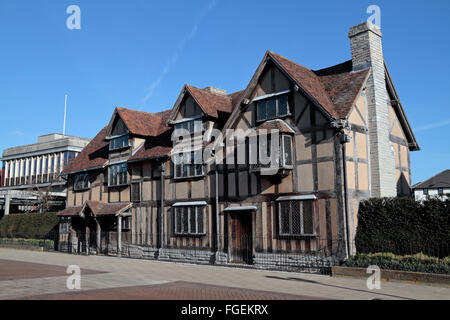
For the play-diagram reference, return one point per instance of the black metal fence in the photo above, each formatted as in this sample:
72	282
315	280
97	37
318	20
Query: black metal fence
297	254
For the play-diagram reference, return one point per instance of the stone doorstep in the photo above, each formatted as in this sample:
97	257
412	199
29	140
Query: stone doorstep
395	275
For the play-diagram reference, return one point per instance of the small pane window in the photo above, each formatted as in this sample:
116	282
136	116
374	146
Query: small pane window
262	110
81	182
271	108
118	174
425	192
441	191
119	143
189	220
296	218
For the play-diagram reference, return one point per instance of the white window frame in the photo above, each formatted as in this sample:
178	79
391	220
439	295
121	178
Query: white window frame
283	163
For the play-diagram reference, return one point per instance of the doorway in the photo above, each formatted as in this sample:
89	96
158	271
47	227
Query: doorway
240	237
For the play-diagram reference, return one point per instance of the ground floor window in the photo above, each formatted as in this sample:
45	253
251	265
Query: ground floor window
189	220
296	218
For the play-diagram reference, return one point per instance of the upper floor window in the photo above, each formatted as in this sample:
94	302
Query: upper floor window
192	126
119	143
285	160
272	107
68	156
441	191
118	175
81	182
189	165
296	218
425	192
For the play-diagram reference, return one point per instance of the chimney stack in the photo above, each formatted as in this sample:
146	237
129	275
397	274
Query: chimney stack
367	52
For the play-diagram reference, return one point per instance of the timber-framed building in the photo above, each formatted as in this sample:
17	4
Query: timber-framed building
343	136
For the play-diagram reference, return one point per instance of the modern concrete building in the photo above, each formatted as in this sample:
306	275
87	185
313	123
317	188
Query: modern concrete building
437	186
31	170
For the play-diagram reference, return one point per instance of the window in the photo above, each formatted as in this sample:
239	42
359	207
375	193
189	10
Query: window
190	165
81	182
296	218
68	156
272	107
192	126
285	153
189	220
441	191
119	143
135	192
425	192
118	175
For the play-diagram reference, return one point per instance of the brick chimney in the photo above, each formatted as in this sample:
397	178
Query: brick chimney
367	52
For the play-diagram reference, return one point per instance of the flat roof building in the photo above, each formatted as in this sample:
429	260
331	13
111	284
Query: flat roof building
38	166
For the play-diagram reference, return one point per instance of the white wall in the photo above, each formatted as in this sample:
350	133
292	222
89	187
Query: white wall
419	196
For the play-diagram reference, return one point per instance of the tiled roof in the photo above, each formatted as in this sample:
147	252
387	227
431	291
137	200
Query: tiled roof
142	123
94	155
334	88
70	212
441	180
342	85
214	104
101	208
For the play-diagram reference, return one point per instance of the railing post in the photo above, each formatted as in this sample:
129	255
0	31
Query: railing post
119	235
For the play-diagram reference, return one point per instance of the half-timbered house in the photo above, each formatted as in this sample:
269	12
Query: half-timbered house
342	136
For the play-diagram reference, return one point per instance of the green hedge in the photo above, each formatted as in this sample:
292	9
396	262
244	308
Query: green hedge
404	226
29	226
27	242
388	261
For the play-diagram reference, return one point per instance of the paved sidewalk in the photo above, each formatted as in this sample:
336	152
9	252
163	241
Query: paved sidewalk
123	273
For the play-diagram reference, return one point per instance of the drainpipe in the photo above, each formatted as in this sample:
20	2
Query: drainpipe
217	209
162	169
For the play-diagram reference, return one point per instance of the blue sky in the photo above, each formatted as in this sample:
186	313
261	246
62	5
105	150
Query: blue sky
139	53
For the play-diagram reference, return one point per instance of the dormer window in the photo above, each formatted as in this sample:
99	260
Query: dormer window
192	125
119	142
272	106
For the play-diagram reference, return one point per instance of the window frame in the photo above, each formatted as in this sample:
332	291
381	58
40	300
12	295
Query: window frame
84	187
267	100
120	166
121	145
302	233
426	192
440	191
179	228
188	167
281	161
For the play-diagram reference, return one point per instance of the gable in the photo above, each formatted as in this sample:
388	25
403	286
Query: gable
188	108
400	112
118	127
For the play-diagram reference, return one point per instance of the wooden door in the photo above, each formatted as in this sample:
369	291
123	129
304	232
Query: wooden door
241	242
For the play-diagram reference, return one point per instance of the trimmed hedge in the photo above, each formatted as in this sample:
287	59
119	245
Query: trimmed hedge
29	226
388	261
404	226
48	244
